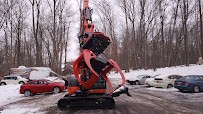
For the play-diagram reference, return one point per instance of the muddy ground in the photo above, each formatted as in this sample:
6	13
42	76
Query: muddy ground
144	100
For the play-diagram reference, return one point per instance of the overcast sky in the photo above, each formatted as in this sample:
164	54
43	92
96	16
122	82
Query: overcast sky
73	47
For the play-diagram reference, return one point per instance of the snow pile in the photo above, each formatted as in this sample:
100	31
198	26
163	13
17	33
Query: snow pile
36	75
42	74
42	69
9	93
180	70
168	89
55	79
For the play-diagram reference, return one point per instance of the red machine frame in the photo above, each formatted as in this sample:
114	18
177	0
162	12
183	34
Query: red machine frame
91	67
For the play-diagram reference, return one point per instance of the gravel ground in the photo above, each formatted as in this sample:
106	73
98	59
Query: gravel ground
143	101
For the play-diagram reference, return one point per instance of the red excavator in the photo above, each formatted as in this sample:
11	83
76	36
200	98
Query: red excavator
90	87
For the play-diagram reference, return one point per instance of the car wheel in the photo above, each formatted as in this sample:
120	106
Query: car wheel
137	82
169	86
3	83
27	93
180	90
196	89
56	90
21	82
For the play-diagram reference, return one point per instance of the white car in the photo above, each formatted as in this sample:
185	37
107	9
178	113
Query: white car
13	79
165	80
137	80
149	81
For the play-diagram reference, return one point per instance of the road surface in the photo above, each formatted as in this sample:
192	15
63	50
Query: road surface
143	101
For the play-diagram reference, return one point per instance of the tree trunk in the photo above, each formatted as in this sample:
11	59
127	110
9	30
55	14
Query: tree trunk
185	18
201	28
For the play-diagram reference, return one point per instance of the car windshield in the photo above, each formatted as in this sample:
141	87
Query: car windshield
187	77
20	77
140	76
50	81
155	76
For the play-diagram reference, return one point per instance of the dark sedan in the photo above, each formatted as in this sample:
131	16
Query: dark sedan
192	83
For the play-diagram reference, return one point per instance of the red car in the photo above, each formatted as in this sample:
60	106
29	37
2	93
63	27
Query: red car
41	86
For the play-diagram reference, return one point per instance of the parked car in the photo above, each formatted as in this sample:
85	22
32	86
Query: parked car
41	86
138	80
192	83
13	79
149	81
165	80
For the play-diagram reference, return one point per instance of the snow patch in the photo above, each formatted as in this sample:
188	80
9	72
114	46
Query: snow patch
9	93
16	109
179	70
55	79
36	75
161	89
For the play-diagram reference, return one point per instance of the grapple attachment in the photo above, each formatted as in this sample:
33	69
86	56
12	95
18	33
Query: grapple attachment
99	66
89	85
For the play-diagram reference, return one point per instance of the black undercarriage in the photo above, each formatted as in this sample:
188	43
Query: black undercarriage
86	102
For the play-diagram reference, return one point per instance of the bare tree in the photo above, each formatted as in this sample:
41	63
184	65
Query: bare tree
19	26
126	39
107	13
4	11
35	27
201	27
174	17
144	34
58	30
185	29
